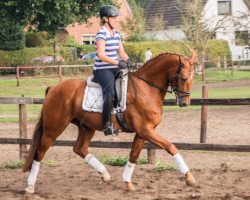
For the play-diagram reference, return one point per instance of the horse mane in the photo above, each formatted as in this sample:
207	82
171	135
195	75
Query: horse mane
156	57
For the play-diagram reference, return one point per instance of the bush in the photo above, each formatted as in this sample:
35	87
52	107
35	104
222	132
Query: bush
136	51
27	55
39	39
218	48
11	36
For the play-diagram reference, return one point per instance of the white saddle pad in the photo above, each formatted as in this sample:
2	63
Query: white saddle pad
93	98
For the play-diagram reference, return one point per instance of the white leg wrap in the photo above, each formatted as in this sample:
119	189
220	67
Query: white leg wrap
96	164
181	164
33	172
128	171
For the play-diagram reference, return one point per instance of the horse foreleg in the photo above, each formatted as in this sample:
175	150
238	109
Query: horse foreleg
154	138
137	146
81	148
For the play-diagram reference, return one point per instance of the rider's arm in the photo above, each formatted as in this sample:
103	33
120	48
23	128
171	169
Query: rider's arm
121	52
100	45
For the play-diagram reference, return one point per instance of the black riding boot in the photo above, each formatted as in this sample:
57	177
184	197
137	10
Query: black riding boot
109	128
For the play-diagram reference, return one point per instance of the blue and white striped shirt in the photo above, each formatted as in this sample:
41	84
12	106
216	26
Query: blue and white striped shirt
111	46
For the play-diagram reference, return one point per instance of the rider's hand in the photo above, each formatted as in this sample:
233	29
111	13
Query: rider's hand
122	64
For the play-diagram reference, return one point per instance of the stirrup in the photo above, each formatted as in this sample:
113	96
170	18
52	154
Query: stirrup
109	129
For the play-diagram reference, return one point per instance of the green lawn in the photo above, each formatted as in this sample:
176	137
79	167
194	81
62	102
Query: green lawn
35	87
217	75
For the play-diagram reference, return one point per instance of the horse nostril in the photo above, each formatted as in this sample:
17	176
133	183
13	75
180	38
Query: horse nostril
183	104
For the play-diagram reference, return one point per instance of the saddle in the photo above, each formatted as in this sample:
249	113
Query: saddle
93	99
119	82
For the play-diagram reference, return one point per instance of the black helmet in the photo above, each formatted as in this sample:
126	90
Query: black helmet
108	11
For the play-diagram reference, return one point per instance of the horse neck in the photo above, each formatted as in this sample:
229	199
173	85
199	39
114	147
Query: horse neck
159	70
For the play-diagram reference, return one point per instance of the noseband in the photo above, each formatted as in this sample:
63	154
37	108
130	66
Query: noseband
174	87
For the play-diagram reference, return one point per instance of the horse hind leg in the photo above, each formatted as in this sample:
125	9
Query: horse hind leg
50	132
81	148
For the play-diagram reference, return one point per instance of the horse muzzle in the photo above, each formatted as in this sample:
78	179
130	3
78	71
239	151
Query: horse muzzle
183	101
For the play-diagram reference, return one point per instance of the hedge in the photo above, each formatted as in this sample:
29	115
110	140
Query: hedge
26	55
137	50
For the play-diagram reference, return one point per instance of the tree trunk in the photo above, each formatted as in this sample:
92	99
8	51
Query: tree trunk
57	49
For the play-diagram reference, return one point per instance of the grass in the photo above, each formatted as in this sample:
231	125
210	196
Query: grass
17	164
213	75
160	166
12	164
35	87
119	161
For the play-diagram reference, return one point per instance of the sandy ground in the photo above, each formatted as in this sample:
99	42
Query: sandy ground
220	175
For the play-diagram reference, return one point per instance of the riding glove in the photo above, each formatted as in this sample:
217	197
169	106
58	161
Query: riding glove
122	64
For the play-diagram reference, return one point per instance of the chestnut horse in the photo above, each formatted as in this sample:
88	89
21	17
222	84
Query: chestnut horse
147	88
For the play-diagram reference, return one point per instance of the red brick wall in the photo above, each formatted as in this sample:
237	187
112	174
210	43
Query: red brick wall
93	26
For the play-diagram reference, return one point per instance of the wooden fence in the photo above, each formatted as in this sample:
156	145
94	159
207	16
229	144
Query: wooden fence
23	141
23	69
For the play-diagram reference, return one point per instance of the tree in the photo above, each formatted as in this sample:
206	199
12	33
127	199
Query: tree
134	27
198	28
52	16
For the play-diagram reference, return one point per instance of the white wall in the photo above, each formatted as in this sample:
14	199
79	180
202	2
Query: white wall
228	32
169	34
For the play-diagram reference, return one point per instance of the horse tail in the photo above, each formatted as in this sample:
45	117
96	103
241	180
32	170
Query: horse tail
37	135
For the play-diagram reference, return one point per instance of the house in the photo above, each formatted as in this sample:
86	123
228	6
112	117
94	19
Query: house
85	33
168	14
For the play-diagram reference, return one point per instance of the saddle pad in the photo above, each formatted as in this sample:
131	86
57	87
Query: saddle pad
93	99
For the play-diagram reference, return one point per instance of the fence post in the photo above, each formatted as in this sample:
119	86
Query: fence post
151	156
17	76
22	129
60	73
204	110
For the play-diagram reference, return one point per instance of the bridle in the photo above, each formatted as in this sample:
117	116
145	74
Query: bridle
173	84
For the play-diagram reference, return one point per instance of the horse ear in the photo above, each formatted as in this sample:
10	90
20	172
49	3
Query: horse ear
192	57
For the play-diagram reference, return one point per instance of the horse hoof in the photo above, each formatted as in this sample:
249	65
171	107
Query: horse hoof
130	186
190	180
30	189
105	177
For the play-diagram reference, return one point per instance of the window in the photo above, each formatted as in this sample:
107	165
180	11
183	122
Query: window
242	38
88	38
224	7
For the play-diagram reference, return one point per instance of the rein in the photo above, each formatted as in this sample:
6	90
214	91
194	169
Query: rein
153	85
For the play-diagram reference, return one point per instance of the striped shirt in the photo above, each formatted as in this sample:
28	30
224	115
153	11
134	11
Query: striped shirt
111	47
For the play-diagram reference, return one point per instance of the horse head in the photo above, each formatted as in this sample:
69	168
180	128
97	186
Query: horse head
181	80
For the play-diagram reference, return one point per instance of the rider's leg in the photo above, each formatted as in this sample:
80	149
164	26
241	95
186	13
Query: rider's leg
106	116
106	78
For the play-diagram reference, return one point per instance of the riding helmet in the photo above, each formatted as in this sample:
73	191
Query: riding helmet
108	11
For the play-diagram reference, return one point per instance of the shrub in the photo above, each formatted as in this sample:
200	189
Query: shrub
39	39
218	48
11	36
25	56
136	51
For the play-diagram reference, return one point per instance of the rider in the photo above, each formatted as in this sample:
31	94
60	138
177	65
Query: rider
107	65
